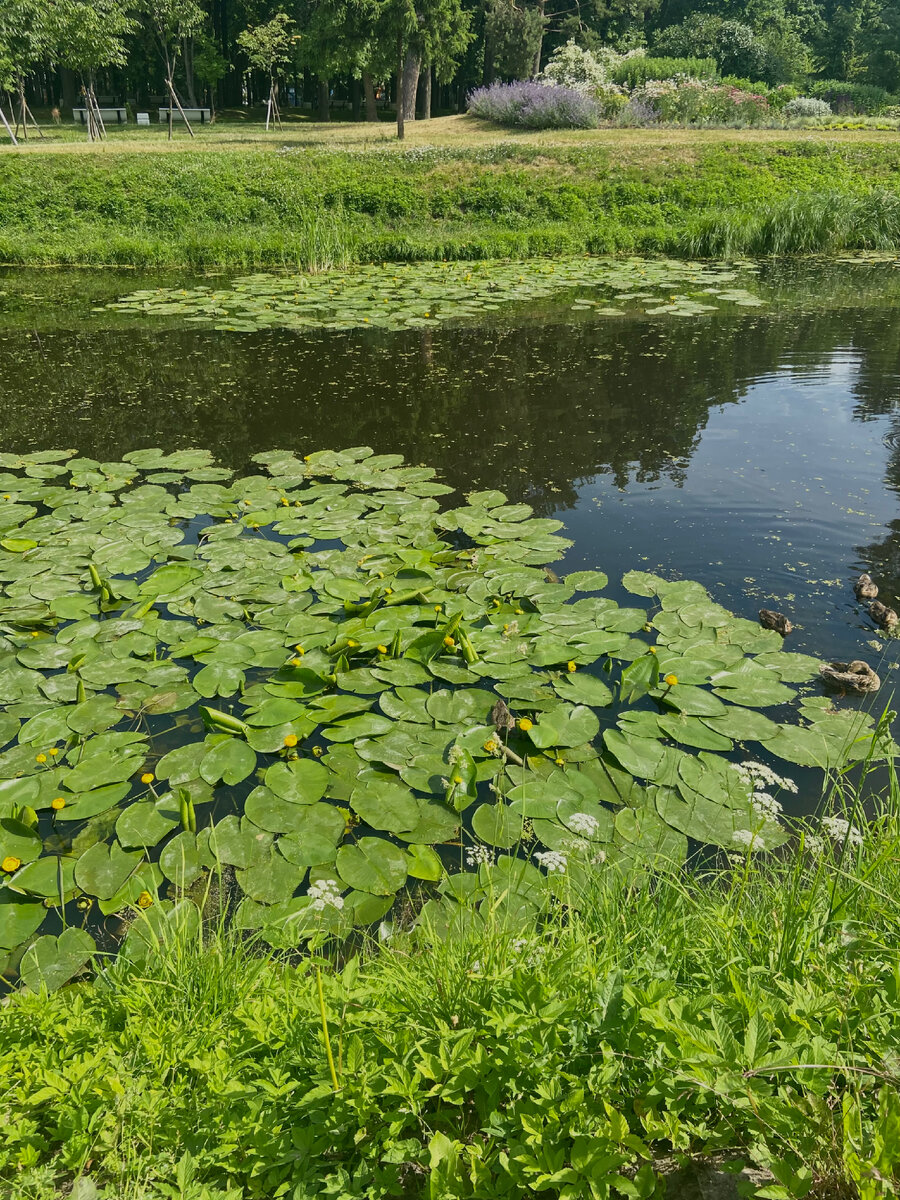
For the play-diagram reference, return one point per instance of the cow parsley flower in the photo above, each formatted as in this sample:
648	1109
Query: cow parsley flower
584	824
325	894
840	830
477	856
552	861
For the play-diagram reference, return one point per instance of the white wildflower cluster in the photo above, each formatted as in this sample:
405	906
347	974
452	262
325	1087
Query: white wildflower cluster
758	775
584	824
765	806
477	856
813	844
840	830
552	861
511	630
745	839
455	756
325	894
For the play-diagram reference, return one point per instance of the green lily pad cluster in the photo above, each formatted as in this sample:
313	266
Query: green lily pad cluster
321	685
426	294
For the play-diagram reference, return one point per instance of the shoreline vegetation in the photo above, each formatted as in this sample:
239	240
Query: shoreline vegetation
318	197
744	1020
243	987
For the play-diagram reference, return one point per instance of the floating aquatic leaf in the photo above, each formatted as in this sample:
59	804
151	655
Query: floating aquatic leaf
103	870
20	917
373	865
565	726
52	961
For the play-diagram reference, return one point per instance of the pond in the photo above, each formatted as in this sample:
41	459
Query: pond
750	447
757	451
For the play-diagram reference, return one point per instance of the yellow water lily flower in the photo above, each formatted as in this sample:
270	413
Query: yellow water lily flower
571	665
144	900
670	680
524	724
291	740
147	777
449	642
10	864
58	803
53	751
40	758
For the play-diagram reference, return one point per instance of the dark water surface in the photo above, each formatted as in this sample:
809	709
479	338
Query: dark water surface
757	450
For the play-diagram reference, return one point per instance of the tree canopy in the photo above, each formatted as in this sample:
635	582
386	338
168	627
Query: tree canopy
339	46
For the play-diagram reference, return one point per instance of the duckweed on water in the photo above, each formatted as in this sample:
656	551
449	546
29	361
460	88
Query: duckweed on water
321	680
421	295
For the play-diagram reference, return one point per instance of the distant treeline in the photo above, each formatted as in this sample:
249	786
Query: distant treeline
348	54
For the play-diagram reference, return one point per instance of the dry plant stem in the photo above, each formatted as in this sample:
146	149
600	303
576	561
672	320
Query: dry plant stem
511	756
325	1034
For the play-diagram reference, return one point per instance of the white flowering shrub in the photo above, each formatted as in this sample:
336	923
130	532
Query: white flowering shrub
574	67
806	106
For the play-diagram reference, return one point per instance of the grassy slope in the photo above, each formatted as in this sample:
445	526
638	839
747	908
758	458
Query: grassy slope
750	1015
316	195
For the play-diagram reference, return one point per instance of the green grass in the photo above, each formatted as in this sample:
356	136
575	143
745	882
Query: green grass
300	199
745	1015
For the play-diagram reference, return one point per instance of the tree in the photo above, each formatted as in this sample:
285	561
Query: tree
7	77
90	35
210	65
512	40
422	31
171	22
340	37
880	44
269	48
26	39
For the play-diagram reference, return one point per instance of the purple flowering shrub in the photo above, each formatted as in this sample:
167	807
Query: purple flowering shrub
528	105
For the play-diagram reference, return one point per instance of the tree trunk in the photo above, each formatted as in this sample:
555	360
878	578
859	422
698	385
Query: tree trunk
401	124
356	99
324	99
412	64
371	102
67	84
536	69
425	94
187	49
487	73
21	116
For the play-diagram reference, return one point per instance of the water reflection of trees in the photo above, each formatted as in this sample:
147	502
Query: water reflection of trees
876	390
532	409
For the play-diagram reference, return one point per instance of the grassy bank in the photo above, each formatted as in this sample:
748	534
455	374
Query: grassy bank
747	1017
456	190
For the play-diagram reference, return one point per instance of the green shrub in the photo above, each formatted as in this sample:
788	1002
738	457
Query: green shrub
639	69
845	98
